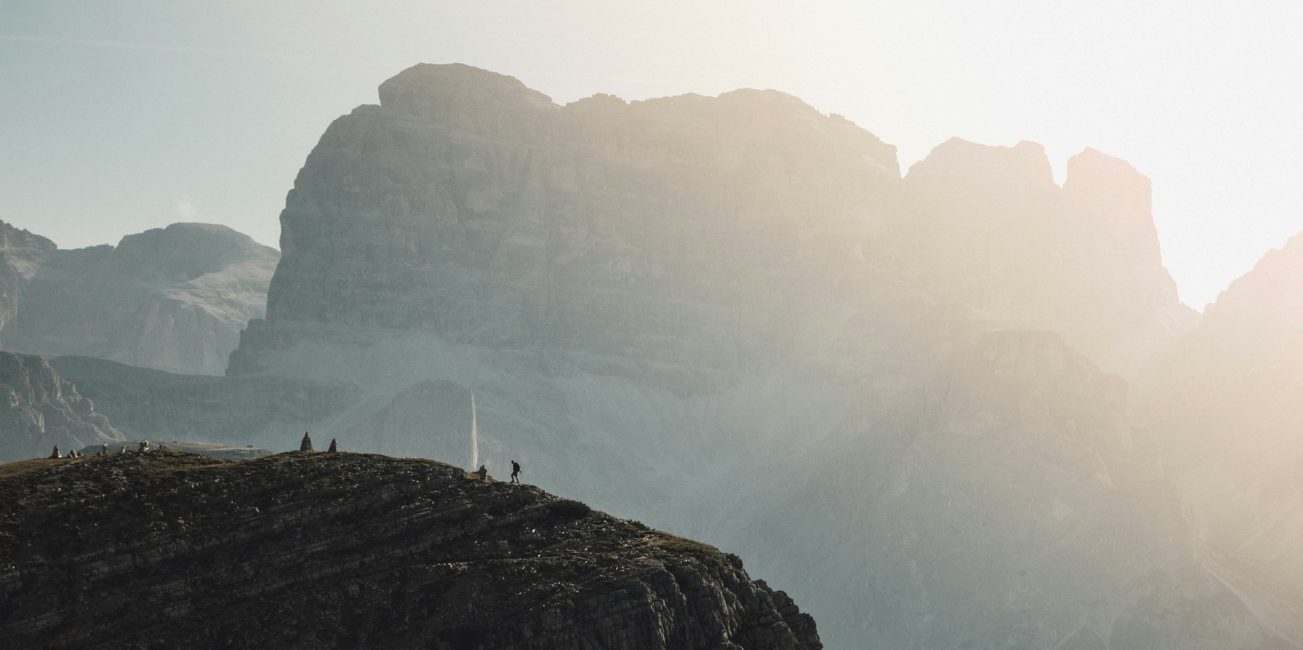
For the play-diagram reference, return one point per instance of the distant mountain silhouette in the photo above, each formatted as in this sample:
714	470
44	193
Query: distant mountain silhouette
173	298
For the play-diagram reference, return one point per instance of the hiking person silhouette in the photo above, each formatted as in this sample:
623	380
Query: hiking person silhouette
515	472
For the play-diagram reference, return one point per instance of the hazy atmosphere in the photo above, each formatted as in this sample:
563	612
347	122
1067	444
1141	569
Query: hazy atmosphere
126	115
771	326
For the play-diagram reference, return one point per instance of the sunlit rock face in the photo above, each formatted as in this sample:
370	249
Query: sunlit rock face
993	232
39	410
731	317
172	299
1239	374
666	236
1227	402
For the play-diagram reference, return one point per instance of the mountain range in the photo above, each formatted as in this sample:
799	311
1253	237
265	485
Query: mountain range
959	406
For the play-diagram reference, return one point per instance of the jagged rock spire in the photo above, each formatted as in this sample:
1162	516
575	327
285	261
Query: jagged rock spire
333	447
306	443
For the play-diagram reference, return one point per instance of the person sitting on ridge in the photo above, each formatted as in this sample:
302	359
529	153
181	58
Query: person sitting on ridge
306	443
515	472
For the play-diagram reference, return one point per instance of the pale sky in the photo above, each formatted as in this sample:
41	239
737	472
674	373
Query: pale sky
121	116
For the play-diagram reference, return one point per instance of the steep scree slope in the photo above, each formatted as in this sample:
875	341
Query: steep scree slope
39	409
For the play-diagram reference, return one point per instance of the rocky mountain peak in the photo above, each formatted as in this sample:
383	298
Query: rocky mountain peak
1111	201
21	250
21	254
1270	295
465	97
183	252
995	172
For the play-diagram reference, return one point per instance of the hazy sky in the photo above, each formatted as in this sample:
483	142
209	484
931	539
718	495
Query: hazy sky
120	116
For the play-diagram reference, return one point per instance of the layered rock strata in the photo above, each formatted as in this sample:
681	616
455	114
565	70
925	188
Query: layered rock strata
310	550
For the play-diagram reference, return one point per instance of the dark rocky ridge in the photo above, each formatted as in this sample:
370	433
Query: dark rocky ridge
171	298
348	550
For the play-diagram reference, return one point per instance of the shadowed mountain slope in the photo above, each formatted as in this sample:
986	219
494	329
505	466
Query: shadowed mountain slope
346	550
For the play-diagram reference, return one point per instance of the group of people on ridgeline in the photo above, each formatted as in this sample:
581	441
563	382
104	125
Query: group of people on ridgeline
304	445
483	472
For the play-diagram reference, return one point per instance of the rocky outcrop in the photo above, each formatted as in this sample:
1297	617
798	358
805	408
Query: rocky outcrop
21	253
172	298
987	228
310	550
39	410
657	237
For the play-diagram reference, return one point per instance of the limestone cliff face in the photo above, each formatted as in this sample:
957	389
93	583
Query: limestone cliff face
347	550
39	410
685	236
21	253
172	298
992	231
668	233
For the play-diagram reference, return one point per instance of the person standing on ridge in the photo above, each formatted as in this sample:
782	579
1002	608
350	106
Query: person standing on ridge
515	472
